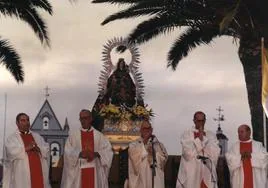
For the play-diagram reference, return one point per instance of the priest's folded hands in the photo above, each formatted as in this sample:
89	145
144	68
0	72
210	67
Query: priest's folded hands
89	155
32	147
245	155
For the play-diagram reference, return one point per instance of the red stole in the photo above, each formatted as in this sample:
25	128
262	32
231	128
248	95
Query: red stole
248	175
87	174
202	184
36	173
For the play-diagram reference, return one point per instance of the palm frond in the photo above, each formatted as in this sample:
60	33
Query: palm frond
130	13
228	18
151	28
9	7
117	1
43	4
140	9
189	40
11	60
35	21
30	16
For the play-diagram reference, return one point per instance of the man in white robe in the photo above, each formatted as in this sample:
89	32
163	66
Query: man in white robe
247	161
87	157
26	158
200	152
140	163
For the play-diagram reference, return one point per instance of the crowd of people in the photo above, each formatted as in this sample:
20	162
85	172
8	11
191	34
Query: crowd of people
88	157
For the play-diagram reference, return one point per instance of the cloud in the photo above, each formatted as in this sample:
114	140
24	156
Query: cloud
210	75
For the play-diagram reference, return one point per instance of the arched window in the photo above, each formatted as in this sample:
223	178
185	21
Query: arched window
45	123
55	153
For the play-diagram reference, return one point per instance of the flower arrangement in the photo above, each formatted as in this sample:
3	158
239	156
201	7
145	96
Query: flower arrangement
110	112
126	115
116	113
141	113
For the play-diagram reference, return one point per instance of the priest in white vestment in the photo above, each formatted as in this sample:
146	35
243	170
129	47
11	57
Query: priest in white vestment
87	157
247	161
140	163
200	152
26	158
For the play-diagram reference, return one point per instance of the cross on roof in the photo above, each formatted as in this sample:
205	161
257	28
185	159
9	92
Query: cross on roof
220	116
46	90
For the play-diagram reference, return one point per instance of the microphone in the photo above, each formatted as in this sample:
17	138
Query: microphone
202	157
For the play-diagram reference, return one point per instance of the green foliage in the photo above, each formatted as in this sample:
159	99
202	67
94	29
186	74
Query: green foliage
202	21
25	10
206	19
230	16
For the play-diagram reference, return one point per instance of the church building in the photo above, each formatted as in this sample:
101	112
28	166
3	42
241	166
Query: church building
48	126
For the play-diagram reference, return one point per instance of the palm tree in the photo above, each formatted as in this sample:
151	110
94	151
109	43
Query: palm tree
202	21
25	10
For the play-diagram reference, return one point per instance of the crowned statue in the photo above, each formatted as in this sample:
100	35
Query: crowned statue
121	89
119	106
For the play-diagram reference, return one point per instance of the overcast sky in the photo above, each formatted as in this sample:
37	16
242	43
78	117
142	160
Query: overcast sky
211	76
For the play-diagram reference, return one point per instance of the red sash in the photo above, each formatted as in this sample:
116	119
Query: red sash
87	174
203	185
248	175
36	173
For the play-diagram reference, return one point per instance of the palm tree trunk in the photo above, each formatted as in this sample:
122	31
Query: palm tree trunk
250	56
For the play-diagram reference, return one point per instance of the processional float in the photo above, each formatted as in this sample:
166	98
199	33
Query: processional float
119	109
